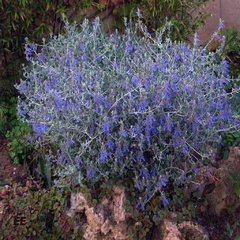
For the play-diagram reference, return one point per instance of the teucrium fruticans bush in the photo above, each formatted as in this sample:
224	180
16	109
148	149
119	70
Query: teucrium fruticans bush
126	105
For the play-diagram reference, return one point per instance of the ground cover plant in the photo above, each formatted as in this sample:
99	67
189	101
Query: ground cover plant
15	130
39	214
179	12
130	106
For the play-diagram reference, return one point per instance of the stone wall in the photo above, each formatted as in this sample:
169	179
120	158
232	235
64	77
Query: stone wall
228	10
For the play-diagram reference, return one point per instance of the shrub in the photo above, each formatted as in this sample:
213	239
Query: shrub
8	114
3	118
16	131
37	215
20	149
126	106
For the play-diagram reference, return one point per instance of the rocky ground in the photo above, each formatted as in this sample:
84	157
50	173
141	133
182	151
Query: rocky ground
219	218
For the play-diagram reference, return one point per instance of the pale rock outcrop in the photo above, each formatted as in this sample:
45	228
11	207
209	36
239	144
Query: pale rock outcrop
106	221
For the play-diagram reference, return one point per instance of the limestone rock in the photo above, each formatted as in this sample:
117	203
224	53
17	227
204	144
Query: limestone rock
78	204
192	231
222	198
1	210
106	221
170	231
184	231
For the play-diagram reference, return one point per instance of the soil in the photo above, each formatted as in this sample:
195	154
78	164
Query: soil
10	173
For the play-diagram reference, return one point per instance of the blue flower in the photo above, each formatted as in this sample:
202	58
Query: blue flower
177	137
110	145
135	80
129	47
137	185
29	50
114	38
91	173
225	68
103	156
79	162
140	205
124	133
65	159
221	24
107	104
162	183
147	82
21	109
119	153
41	57
82	45
150	123
125	148
85	57
57	100
165	201
134	132
142	105
23	87
168	126
168	93
106	127
163	120
177	57
39	129
70	141
174	82
140	157
154	68
78	76
48	86
144	173
185	149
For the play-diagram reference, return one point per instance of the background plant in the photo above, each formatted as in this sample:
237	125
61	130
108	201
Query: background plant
126	105
31	19
28	18
185	16
235	182
231	52
37	214
16	131
8	112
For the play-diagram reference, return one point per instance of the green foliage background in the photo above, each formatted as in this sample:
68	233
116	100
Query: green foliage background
184	15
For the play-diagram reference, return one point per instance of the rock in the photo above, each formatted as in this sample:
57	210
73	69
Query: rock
184	231
118	209
94	220
170	231
106	221
192	231
106	227
204	181
78	204
223	198
1	210
213	183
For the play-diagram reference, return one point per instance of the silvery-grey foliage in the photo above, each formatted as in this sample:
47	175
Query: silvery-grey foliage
126	105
